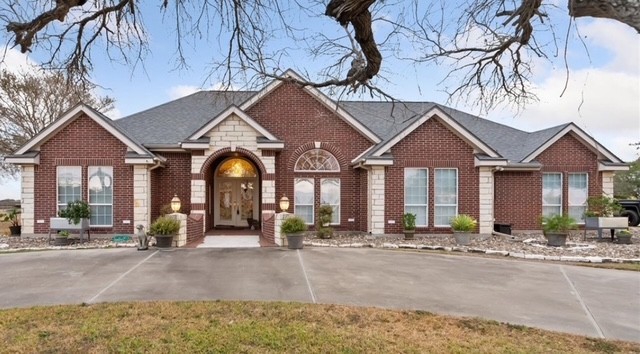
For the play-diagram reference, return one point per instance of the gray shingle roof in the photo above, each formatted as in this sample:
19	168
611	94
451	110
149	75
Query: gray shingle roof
173	122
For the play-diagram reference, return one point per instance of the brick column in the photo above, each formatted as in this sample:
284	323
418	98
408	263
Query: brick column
486	184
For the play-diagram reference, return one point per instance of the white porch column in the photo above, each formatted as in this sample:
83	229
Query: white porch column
280	238
487	185
607	182
28	179
375	200
141	196
181	238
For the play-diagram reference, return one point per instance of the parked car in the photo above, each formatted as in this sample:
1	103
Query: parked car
631	210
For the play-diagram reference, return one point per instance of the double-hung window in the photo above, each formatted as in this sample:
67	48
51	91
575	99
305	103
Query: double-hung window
100	180
330	195
416	194
69	185
303	199
551	194
578	193
446	196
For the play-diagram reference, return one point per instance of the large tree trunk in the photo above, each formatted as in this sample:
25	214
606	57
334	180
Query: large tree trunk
625	11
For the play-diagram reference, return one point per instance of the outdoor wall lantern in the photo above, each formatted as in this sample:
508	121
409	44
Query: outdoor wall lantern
284	203
175	203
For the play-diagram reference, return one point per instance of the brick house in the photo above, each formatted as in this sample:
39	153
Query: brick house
230	156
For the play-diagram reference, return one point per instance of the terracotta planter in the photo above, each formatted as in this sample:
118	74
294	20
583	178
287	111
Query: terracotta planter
295	241
556	239
164	241
462	238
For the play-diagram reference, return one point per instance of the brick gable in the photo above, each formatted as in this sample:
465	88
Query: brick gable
432	145
297	118
83	143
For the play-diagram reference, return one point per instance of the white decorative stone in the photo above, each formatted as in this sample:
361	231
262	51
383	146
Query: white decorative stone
407	245
389	245
499	253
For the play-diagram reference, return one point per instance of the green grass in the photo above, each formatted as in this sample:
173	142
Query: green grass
259	327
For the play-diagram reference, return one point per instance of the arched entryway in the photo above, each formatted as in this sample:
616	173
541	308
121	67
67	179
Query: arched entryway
233	193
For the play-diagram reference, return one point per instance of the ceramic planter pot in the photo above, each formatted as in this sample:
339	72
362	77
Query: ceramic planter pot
164	241
295	241
61	241
462	238
556	239
15	230
408	234
624	239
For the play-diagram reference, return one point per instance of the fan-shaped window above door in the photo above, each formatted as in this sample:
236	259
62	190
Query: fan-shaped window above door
237	168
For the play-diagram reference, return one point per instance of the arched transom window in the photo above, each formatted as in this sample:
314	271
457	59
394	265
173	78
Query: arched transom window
237	168
317	160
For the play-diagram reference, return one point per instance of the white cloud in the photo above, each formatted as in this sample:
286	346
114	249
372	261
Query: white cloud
617	38
180	91
14	61
9	188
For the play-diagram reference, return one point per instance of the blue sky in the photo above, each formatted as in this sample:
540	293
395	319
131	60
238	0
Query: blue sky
602	95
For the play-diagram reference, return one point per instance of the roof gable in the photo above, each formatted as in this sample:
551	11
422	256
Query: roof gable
581	136
73	114
233	110
452	124
322	98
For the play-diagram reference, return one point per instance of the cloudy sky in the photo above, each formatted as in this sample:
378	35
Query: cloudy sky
602	96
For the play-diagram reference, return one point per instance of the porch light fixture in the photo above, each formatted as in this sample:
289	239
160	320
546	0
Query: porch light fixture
175	203
284	203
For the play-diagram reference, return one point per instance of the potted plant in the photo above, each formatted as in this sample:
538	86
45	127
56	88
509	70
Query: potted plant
603	212
409	225
463	225
77	215
62	238
13	217
294	227
556	229
163	229
325	215
624	237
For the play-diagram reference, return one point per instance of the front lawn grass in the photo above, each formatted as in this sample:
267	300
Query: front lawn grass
266	327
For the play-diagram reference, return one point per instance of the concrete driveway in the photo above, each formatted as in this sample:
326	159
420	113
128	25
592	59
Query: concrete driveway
594	302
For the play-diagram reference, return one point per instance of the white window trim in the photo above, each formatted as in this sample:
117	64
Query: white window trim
339	197
58	205
434	194
561	191
569	205
426	206
101	204
313	202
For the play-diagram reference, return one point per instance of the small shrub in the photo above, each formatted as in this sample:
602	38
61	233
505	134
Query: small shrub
463	223
325	232
165	225
325	216
293	225
409	221
75	211
602	206
558	224
12	216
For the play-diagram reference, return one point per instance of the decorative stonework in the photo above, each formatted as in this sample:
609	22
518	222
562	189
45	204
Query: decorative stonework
375	200
141	196
28	199
486	183
607	182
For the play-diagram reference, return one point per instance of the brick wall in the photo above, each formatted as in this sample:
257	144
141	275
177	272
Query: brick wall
294	116
519	194
174	178
432	145
83	143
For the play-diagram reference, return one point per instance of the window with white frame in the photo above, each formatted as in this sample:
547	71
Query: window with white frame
100	181
317	160
445	196
416	189
551	194
578	184
69	184
330	195
304	199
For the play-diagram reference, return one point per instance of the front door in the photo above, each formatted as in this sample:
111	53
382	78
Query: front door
236	200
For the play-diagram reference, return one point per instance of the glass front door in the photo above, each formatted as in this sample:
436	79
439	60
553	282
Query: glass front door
236	193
